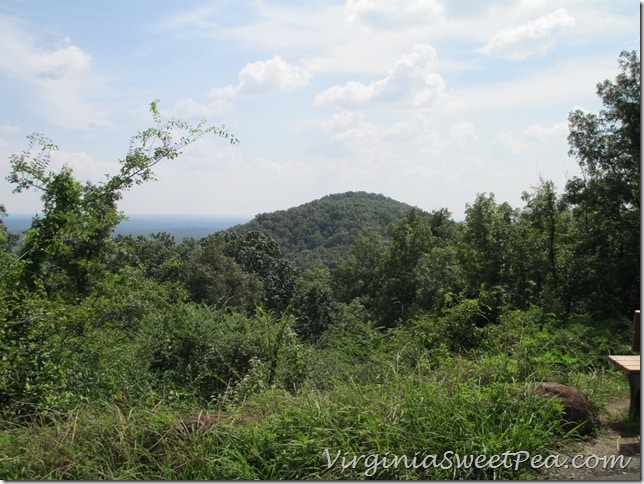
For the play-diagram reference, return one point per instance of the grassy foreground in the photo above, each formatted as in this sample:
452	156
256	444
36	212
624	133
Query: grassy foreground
403	427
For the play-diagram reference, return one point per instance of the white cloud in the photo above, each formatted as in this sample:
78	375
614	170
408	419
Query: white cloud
46	65
472	168
60	79
22	59
546	133
413	80
507	144
528	40
352	92
387	15
268	76
363	132
376	145
7	130
337	121
463	133
256	78
186	108
556	85
273	74
218	104
530	138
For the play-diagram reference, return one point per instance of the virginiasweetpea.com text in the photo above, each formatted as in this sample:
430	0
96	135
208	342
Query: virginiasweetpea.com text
510	460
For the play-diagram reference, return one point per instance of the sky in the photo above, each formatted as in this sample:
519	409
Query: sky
429	102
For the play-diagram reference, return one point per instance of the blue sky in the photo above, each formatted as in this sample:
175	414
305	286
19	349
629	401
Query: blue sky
426	101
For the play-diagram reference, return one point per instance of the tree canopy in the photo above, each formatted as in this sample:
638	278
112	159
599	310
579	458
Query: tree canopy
606	197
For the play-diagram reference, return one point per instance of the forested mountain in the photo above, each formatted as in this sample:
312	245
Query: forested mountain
322	231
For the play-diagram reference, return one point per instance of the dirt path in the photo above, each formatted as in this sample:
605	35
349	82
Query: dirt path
614	438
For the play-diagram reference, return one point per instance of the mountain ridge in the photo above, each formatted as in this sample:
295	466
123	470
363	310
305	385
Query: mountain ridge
322	231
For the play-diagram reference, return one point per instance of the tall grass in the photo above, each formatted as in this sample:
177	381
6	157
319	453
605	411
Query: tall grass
371	406
276	435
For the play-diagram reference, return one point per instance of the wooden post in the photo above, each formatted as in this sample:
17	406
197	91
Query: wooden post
636	332
634	379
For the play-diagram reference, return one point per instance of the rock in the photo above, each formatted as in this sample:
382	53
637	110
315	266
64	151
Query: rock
578	410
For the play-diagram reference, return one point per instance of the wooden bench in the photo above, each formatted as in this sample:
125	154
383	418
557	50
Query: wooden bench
630	364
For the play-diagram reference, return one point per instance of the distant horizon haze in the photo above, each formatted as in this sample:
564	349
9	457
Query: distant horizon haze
179	225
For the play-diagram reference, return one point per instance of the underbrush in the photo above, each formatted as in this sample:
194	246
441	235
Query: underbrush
413	425
368	403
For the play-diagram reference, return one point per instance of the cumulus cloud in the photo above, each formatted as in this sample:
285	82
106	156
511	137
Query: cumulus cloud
413	79
531	39
350	128
22	59
47	65
272	75
463	133
387	15
546	133
59	79
379	144
506	143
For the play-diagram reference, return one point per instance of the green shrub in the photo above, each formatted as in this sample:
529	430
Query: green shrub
206	352
545	348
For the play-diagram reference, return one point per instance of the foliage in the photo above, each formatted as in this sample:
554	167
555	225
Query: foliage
205	353
56	282
606	198
538	271
487	240
313	304
280	436
157	255
542	348
261	255
213	277
415	238
320	232
359	276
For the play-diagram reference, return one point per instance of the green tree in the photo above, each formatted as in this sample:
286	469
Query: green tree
260	254
438	274
487	242
64	283
313	305
214	278
539	256
414	238
63	245
359	276
606	196
8	260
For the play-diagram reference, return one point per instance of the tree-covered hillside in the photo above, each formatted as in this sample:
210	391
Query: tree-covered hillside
321	231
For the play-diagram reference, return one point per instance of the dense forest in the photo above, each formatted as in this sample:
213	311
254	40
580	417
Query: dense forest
322	232
351	325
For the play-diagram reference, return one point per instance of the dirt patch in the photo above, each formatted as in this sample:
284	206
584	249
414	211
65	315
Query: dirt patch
615	438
